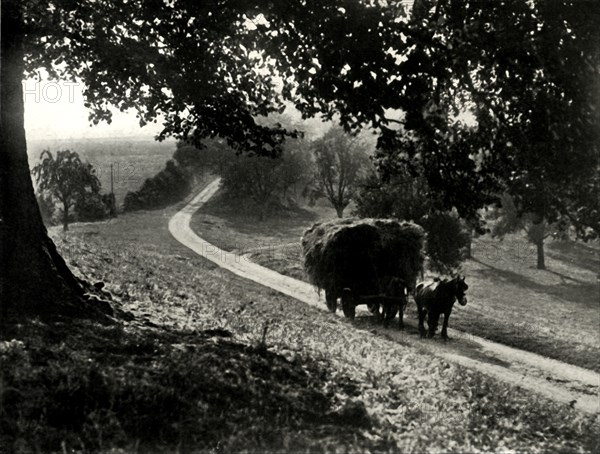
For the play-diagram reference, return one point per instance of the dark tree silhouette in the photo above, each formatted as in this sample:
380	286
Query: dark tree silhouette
527	71
207	67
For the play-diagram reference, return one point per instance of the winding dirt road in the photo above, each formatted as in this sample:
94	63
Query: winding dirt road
553	379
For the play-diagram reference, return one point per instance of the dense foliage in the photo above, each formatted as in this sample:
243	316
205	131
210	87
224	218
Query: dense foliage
261	182
526	73
447	241
400	196
168	186
211	156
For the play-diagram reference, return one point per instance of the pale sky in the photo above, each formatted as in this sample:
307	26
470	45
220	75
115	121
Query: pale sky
55	110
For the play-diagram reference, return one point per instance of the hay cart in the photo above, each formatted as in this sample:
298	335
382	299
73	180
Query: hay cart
364	261
385	304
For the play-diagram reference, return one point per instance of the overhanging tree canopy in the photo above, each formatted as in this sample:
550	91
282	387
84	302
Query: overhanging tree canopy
526	69
205	66
528	73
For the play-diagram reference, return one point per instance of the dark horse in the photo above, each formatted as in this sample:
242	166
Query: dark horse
436	298
393	300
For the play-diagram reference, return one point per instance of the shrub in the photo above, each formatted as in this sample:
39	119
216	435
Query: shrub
93	207
447	241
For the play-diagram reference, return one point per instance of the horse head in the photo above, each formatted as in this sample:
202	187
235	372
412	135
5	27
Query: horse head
460	289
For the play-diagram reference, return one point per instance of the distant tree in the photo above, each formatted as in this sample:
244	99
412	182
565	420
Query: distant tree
296	170
168	186
67	179
263	180
341	161
212	155
254	178
401	196
509	220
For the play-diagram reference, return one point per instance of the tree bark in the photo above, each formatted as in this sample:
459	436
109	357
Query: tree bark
541	262
339	211
34	279
537	234
470	245
65	217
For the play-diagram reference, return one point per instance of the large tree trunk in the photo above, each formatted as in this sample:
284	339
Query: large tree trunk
340	211
34	279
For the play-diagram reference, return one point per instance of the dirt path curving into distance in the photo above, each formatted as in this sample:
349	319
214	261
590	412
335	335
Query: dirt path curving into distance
551	378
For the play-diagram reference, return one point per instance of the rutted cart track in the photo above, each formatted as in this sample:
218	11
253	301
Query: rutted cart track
554	379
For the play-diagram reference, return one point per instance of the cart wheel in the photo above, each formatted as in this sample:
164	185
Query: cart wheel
374	309
348	305
331	300
391	312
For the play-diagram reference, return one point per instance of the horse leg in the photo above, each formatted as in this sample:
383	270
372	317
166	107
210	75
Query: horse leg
445	325
422	314
401	317
331	300
386	321
432	323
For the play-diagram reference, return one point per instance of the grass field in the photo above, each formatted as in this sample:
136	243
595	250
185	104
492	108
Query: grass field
133	160
213	362
555	312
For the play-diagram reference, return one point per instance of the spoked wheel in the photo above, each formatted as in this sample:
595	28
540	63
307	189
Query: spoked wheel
348	305
331	300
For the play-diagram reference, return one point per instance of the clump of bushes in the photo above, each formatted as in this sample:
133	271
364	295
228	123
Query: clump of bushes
169	186
95	207
447	241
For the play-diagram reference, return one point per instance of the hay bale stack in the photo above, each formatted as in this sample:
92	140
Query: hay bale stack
358	253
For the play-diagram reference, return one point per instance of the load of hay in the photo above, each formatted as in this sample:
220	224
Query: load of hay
358	253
